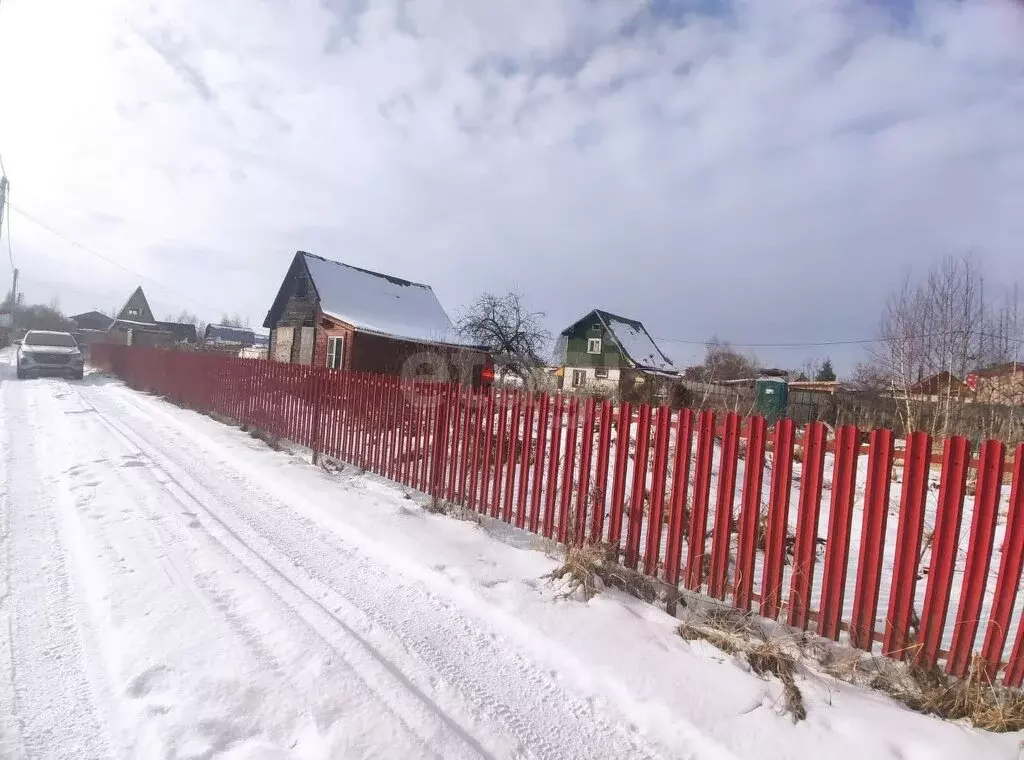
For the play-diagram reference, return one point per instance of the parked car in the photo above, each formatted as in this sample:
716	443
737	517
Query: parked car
42	352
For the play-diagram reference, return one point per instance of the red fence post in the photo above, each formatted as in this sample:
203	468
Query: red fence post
701	499
952	487
568	468
485	467
604	440
722	531
639	490
777	529
499	453
652	552
539	461
552	487
512	458
680	488
979	556
524	461
750	513
916	462
583	479
872	539
623	431
1007	584
840	525
805	551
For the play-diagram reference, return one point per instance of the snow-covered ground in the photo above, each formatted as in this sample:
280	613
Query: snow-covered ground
172	588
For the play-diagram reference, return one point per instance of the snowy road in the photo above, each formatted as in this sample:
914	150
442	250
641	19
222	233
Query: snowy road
159	602
172	589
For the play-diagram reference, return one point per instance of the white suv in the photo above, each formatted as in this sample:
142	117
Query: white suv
49	353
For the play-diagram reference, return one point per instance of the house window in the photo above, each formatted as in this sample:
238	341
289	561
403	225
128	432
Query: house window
579	377
335	351
596	327
133	311
601	372
593	345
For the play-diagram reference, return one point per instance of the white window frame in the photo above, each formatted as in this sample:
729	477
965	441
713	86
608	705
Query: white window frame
598	373
594	345
133	311
335	351
579	378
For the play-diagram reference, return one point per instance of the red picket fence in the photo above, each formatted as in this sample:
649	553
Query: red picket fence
796	522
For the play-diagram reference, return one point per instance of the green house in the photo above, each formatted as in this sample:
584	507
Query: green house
604	350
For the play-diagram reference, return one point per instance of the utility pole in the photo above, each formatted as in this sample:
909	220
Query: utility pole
14	281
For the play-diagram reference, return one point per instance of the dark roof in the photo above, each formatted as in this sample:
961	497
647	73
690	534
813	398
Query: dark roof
937	384
243	336
370	302
136	300
182	332
632	338
996	370
96	320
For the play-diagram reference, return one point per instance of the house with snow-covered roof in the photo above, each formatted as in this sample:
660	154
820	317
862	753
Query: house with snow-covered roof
331	314
135	325
605	350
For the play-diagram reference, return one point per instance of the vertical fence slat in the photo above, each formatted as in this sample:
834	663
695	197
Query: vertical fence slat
568	468
979	556
840	525
945	540
750	513
809	509
701	499
722	530
680	488
524	461
604	441
456	451
583	477
623	427
652	552
916	462
485	467
499	453
872	539
639	490
539	461
777	528
1007	584
552	484
510	478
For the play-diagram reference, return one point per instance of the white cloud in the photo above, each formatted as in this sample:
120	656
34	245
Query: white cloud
761	172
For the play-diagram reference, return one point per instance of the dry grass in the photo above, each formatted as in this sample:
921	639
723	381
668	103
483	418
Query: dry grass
973	698
579	571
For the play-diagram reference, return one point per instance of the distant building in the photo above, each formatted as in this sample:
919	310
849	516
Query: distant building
135	325
999	384
243	337
604	350
331	314
92	320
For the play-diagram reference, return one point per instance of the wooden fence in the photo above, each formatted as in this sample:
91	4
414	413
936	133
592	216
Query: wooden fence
880	543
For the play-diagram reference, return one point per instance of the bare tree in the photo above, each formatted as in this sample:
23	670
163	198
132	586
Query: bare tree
722	363
188	318
234	320
514	335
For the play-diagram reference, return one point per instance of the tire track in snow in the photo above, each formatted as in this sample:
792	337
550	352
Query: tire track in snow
473	665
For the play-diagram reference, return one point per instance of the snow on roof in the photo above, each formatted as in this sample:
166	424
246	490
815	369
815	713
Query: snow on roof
637	344
228	334
379	303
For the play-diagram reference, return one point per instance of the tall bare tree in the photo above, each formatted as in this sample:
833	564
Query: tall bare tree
515	335
722	362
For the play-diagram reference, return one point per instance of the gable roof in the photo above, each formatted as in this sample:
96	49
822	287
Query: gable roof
372	302
138	301
224	334
182	332
938	384
93	317
633	340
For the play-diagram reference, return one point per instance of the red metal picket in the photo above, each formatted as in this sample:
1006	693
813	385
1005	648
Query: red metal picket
701	498
538	462
499	453
473	465
623	431
750	514
512	454
979	556
872	539
777	529
524	461
806	547
485	469
722	530
568	467
1007	584
945	541
469	441
638	493
652	551
583	477
604	441
680	487
453	452
552	485
916	463
840	525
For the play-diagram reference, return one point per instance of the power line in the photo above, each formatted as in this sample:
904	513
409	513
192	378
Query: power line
107	259
859	341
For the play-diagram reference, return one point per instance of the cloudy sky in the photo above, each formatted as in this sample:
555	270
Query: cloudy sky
761	171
